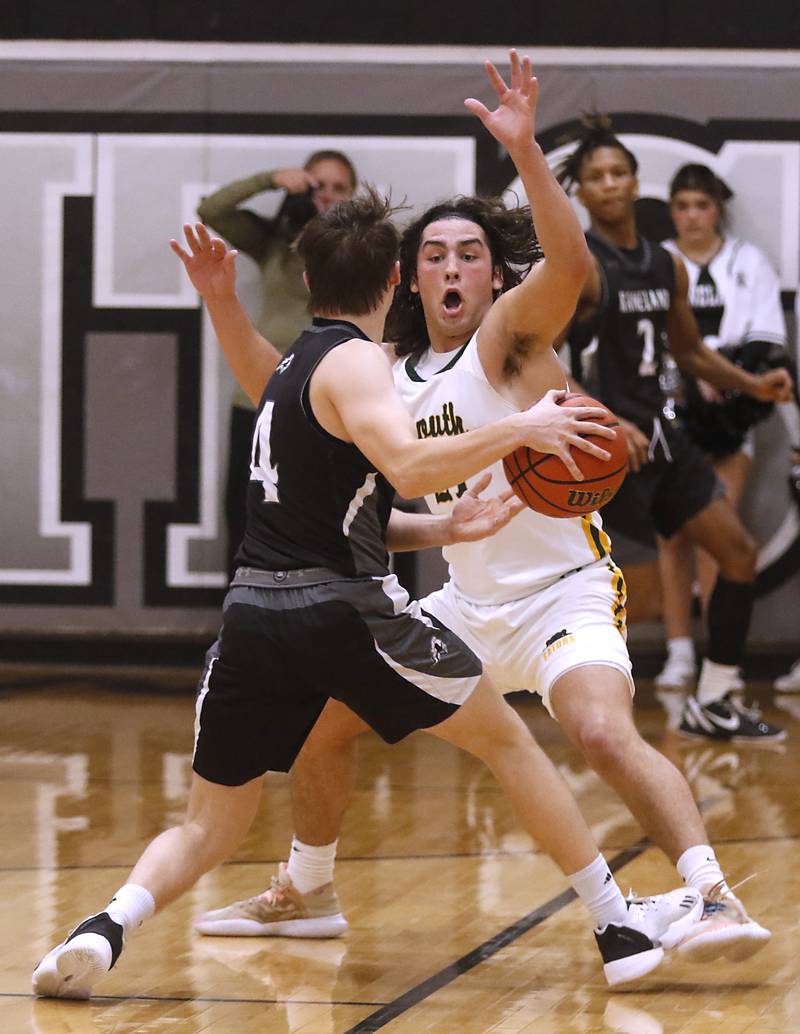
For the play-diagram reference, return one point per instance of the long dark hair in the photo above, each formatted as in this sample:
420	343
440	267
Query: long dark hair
512	245
595	132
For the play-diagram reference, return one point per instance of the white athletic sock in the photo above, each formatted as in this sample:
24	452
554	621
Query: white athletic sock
130	906
309	866
681	649
699	868
598	890
715	681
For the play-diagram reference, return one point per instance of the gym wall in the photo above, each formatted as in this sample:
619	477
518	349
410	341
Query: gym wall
113	399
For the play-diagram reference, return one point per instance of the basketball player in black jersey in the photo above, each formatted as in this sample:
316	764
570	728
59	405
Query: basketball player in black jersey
634	301
313	612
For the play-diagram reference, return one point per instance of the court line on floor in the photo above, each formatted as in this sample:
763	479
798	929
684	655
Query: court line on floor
196	998
478	855
484	951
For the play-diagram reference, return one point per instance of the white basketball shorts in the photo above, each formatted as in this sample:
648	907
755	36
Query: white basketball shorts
531	642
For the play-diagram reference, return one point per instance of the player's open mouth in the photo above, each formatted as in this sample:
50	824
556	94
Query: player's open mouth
452	302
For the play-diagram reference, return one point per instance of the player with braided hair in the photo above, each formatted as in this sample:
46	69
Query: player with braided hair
633	305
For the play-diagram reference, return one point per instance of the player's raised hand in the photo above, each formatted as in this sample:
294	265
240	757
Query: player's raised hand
556	429
210	264
512	122
473	518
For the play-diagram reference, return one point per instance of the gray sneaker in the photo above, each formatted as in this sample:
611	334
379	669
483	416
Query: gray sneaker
281	911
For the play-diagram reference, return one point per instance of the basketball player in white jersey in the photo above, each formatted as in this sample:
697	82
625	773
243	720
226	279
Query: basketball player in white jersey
541	602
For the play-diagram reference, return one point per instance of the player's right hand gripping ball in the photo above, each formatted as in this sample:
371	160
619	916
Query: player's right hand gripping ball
544	484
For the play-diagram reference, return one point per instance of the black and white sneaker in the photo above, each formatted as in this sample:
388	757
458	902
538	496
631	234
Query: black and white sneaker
727	720
74	966
634	949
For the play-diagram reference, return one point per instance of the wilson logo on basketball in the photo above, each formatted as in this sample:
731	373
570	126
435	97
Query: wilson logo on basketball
582	501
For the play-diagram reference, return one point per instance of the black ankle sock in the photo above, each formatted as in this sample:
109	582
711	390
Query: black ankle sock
729	611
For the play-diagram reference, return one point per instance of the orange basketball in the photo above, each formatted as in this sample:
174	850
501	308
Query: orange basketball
544	484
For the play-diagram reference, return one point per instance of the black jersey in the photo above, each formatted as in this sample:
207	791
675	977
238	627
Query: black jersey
628	332
313	500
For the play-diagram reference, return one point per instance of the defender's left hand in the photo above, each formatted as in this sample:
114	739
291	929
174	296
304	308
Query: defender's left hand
473	518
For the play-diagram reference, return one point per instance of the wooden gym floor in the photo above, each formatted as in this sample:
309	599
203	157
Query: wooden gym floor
457	924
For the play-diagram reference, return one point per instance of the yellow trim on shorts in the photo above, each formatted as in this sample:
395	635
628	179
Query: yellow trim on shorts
618	611
599	542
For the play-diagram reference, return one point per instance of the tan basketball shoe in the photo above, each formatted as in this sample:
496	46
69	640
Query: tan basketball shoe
281	911
725	929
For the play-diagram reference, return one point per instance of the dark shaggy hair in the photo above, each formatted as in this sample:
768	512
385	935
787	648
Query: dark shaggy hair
596	132
512	244
349	252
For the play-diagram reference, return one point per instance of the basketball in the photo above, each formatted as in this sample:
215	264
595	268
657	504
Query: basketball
543	483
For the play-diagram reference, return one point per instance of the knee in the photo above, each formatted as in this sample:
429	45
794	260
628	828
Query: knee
212	843
603	740
739	562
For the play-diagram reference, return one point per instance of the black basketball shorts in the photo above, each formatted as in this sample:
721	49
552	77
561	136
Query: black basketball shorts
668	491
285	647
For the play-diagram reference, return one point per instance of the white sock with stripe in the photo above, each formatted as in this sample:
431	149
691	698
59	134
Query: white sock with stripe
598	890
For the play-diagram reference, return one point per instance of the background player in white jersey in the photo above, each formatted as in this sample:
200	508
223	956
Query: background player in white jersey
735	296
542	603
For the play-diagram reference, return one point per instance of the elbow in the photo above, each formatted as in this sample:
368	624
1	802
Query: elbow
572	269
205	211
408	485
577	263
408	480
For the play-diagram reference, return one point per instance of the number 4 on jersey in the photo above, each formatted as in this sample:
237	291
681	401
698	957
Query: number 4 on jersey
261	468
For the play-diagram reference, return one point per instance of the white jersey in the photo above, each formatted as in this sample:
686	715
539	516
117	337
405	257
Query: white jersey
532	551
742	288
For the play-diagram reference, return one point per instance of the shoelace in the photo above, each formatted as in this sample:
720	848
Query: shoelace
637	906
751	711
276	894
717	899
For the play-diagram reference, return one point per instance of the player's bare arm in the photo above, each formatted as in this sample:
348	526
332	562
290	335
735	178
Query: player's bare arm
353	397
472	518
695	358
529	316
589	302
211	267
